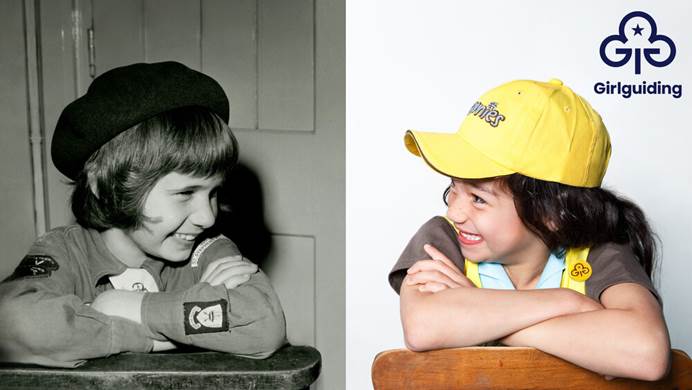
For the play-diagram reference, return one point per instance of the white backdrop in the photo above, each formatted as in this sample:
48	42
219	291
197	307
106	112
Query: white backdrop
422	64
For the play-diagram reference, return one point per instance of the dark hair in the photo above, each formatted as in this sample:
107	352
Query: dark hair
187	140
564	216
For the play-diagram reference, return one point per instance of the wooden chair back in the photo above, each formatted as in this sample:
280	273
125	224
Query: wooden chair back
505	368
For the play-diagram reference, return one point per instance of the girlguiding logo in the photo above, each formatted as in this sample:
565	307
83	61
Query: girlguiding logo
638	38
626	42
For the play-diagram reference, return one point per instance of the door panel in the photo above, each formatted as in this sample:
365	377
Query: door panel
293	258
286	65
172	31
118	27
229	55
285	162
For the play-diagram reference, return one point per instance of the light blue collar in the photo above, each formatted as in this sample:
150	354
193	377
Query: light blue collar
493	275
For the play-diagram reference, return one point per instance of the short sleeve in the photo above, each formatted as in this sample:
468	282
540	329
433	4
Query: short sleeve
436	232
614	264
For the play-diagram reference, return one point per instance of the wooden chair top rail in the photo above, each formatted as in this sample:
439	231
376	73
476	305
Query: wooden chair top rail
505	368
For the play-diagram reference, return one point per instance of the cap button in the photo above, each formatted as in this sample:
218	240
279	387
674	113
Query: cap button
557	82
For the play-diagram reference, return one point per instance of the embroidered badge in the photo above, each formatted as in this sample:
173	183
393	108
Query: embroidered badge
580	271
34	266
205	317
201	248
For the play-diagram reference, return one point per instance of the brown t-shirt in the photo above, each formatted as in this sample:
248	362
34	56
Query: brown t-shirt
611	263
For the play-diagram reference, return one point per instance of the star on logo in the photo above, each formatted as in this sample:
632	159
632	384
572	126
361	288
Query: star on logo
637	30
658	44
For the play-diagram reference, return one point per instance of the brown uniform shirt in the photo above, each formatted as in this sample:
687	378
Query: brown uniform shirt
611	263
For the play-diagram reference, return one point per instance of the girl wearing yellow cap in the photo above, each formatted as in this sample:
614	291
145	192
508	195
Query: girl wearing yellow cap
532	251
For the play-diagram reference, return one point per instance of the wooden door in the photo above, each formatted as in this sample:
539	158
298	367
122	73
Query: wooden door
17	119
282	65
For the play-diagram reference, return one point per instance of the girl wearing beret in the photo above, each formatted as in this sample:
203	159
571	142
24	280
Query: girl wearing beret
532	251
142	270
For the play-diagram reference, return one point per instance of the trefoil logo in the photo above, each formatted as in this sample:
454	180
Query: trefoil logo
634	40
638	38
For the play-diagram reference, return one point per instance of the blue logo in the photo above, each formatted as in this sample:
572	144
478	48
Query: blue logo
635	40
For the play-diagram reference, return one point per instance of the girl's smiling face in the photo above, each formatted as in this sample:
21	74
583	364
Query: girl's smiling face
177	209
488	224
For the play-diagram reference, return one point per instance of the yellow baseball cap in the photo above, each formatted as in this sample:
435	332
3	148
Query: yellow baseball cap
541	130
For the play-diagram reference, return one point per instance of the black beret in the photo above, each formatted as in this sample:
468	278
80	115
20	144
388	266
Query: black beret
124	97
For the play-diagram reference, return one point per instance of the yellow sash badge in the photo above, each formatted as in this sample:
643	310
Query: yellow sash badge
580	270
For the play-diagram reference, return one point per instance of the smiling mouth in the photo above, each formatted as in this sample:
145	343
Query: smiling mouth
185	237
469	238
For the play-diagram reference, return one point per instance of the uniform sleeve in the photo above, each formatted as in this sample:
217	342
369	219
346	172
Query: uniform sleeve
614	264
43	322
246	320
436	232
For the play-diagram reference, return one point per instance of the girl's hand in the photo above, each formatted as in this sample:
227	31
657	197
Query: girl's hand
437	273
121	303
230	271
126	304
160	346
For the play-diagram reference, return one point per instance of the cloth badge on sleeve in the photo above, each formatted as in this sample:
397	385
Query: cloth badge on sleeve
205	317
197	253
34	266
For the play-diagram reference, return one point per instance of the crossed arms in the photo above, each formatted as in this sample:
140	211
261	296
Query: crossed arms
44	322
623	335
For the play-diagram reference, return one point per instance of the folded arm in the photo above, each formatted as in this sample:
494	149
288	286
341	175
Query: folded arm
219	301
43	325
470	316
246	320
441	308
623	335
627	339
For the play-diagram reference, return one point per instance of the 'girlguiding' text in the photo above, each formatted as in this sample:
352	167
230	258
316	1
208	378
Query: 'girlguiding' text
627	90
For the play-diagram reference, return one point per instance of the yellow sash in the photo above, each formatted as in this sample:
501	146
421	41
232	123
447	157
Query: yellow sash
577	269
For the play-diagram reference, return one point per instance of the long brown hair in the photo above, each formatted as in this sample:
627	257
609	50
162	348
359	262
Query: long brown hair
564	216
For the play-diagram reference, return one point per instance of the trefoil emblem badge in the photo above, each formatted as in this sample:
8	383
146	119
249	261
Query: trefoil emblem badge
637	37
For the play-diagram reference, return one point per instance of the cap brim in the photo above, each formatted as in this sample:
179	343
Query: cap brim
451	155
